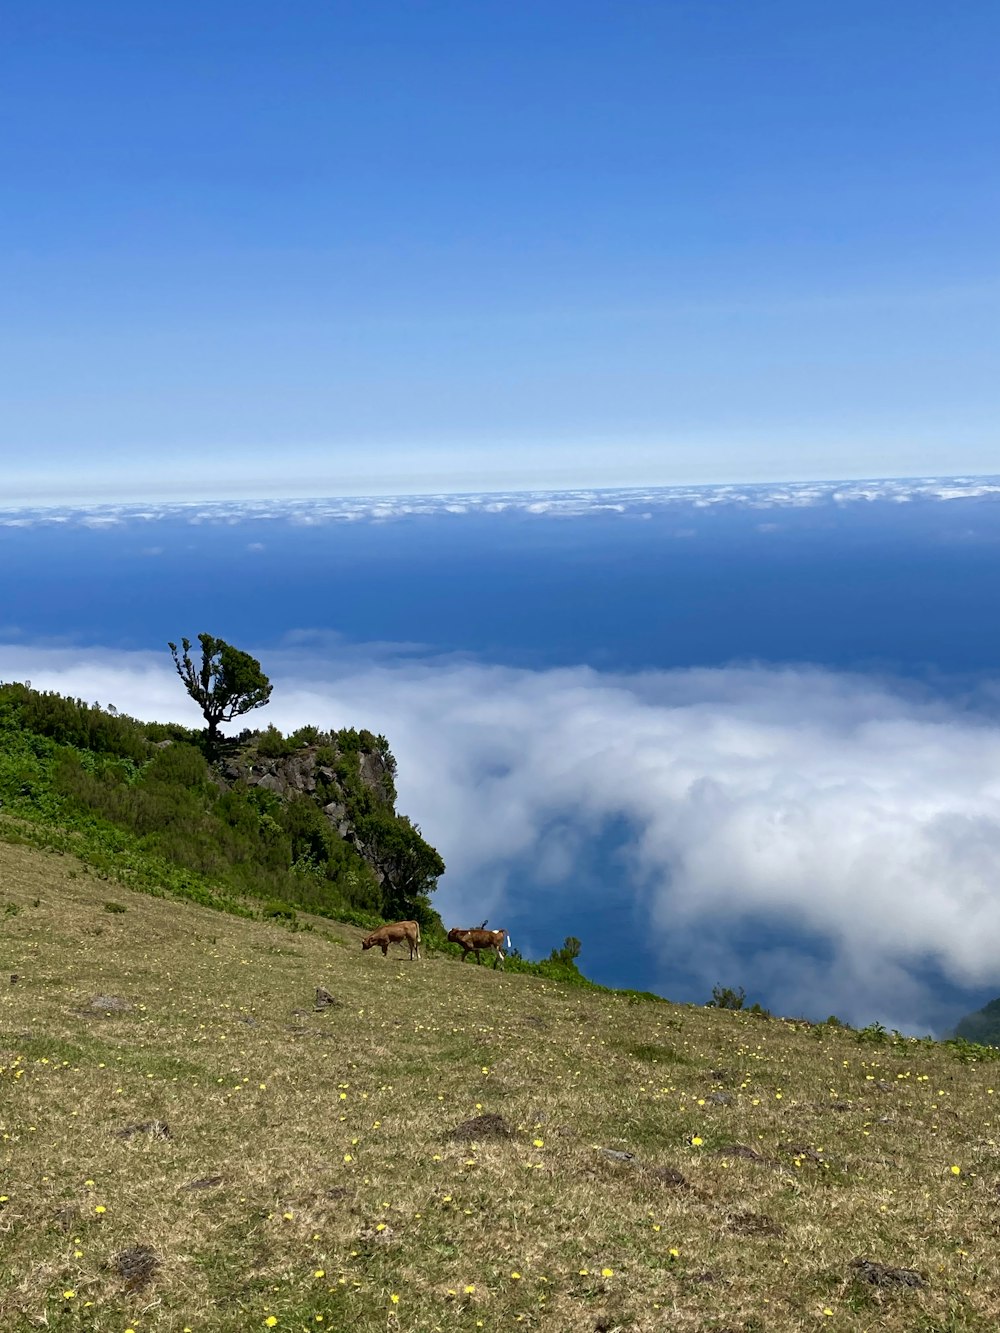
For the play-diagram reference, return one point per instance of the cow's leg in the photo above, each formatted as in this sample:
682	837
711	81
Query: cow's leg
385	950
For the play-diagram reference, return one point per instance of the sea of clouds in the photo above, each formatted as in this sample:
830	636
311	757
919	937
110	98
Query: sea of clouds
858	818
630	502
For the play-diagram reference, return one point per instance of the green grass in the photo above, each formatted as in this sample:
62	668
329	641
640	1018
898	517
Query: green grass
325	1139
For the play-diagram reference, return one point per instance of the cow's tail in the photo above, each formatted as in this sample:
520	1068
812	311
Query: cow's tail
417	924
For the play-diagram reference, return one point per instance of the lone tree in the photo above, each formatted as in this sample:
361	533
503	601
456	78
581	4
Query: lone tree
408	866
228	683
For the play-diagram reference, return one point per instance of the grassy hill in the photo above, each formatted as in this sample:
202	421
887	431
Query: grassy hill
186	1142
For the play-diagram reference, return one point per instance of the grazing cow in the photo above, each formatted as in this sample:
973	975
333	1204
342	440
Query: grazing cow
474	940
396	933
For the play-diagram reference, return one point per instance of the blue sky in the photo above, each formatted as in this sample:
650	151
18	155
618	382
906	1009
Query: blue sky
374	248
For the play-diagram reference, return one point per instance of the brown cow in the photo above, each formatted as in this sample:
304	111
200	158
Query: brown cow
396	933
474	940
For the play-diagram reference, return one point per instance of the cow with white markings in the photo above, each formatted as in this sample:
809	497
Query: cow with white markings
475	939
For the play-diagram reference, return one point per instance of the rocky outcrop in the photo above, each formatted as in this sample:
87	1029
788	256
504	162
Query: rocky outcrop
303	771
320	770
348	778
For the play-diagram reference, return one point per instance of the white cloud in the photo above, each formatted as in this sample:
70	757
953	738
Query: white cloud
629	503
859	819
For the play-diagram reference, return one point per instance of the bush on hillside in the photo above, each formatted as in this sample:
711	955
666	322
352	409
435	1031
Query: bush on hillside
248	840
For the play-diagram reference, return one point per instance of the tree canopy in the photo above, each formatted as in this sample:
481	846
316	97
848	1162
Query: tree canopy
228	683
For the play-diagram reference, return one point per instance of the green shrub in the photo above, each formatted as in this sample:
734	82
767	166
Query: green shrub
307	735
724	997
272	744
278	910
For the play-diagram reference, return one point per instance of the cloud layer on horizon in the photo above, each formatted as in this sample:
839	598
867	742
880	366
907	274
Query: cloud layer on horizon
861	818
631	502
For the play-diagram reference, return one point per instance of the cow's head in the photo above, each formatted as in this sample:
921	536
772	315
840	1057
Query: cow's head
368	943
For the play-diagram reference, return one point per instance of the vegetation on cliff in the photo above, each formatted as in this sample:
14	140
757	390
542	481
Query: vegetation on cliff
276	826
305	821
983	1026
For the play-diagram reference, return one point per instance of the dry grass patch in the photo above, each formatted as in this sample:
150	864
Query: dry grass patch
223	1155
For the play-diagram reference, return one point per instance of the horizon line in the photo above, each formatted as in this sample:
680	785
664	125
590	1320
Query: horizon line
485	494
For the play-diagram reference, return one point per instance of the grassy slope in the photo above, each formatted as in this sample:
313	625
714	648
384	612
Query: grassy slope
340	1188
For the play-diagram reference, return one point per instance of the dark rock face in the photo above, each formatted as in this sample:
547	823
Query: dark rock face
302	774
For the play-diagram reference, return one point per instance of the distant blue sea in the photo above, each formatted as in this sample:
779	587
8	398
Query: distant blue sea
883	580
908	587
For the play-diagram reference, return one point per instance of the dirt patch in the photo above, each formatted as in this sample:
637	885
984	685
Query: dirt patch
754	1224
801	1150
203	1183
669	1175
67	1218
883	1275
156	1129
383	1235
747	1154
137	1266
107	1004
489	1126
666	1175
